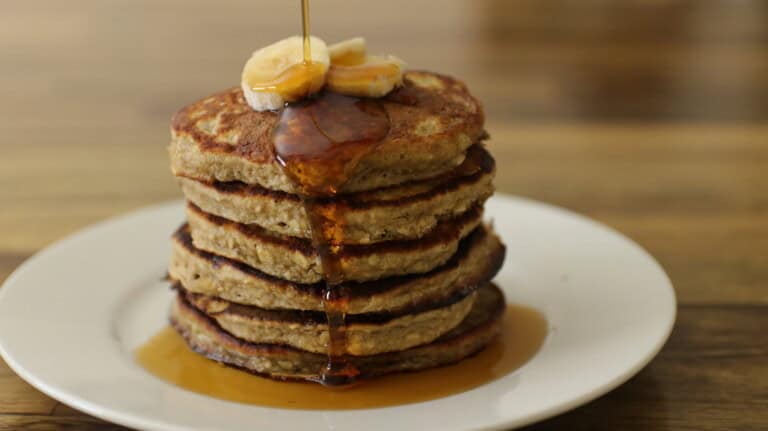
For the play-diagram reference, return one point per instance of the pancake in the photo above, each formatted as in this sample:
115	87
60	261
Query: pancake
477	260
297	260
206	337
434	119
402	212
367	334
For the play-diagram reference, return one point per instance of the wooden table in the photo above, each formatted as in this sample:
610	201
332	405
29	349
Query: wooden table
650	116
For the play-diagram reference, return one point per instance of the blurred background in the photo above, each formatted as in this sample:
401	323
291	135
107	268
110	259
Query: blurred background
639	113
648	115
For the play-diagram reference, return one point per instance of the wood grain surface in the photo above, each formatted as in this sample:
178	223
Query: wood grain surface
649	116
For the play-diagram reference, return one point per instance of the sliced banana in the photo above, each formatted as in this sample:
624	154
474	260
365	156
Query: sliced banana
277	74
348	52
374	77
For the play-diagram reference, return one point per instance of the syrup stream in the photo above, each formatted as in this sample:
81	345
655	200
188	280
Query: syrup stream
305	30
318	142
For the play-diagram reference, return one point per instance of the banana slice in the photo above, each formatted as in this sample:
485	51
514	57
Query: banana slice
350	52
277	74
375	76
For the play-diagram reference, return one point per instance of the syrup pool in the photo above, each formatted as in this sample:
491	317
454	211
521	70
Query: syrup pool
523	332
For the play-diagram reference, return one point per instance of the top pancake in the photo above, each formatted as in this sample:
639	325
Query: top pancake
433	120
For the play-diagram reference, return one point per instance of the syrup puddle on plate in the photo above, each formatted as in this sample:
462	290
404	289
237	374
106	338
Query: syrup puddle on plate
167	356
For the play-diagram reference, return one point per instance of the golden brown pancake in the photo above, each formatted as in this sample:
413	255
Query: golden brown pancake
434	119
205	336
477	260
297	260
366	334
399	212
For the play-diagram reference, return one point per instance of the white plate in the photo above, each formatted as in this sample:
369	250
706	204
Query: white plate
71	317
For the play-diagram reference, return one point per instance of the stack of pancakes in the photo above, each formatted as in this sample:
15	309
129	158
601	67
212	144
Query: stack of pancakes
417	260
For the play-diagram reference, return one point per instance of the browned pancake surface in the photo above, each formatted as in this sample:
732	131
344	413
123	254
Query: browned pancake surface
433	118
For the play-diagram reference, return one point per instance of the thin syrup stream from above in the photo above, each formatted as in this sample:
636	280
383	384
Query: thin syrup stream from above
305	30
319	142
297	81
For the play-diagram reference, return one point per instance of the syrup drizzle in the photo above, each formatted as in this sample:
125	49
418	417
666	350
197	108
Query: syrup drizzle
318	142
297	81
305	30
